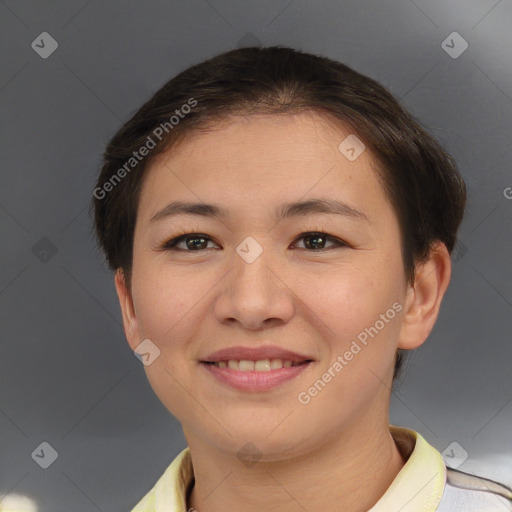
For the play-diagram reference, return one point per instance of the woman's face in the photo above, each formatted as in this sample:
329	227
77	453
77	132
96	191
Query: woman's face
316	296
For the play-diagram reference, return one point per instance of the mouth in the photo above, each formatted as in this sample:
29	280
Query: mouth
260	375
260	365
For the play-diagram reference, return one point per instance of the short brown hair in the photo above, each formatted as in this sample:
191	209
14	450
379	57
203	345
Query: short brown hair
420	179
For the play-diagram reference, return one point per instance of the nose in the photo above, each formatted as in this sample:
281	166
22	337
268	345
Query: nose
256	294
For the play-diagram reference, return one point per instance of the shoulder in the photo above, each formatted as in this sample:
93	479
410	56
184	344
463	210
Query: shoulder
465	492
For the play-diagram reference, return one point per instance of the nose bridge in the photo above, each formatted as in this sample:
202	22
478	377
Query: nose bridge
251	264
253	293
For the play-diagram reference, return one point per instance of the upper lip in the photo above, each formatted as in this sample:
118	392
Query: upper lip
256	354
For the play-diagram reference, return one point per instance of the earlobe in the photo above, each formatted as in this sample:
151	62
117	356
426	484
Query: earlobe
423	300
127	309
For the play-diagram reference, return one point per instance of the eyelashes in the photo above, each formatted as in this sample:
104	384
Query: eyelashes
319	238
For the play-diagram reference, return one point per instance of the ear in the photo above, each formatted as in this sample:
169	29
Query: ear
423	300
124	295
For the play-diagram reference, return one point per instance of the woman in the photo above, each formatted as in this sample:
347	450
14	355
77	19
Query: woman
281	232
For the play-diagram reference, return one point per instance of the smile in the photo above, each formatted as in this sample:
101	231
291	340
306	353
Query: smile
243	374
262	365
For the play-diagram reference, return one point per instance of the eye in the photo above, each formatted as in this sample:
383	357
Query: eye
318	239
193	242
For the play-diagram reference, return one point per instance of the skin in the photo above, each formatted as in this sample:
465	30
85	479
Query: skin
336	452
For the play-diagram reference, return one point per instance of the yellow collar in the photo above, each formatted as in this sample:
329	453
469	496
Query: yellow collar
419	485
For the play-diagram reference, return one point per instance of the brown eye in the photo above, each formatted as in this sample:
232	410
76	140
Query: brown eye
196	242
317	241
192	242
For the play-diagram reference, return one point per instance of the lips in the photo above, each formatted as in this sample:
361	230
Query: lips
256	354
254	381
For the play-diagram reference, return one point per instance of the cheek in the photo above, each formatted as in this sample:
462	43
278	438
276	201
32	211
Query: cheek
160	300
354	304
172	304
167	311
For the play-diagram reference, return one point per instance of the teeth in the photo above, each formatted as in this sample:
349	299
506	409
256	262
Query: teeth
246	366
262	365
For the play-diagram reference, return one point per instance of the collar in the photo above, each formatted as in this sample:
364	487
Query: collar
418	487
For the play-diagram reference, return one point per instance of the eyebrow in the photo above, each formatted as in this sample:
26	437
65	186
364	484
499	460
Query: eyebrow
287	210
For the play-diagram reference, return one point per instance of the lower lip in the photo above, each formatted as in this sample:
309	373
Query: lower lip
255	381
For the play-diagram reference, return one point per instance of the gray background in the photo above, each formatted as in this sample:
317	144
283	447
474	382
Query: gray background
67	374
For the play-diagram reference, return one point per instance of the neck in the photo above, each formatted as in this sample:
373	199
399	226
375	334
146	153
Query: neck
349	472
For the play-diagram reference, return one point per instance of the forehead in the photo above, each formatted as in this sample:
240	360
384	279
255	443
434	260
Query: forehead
290	136
265	159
